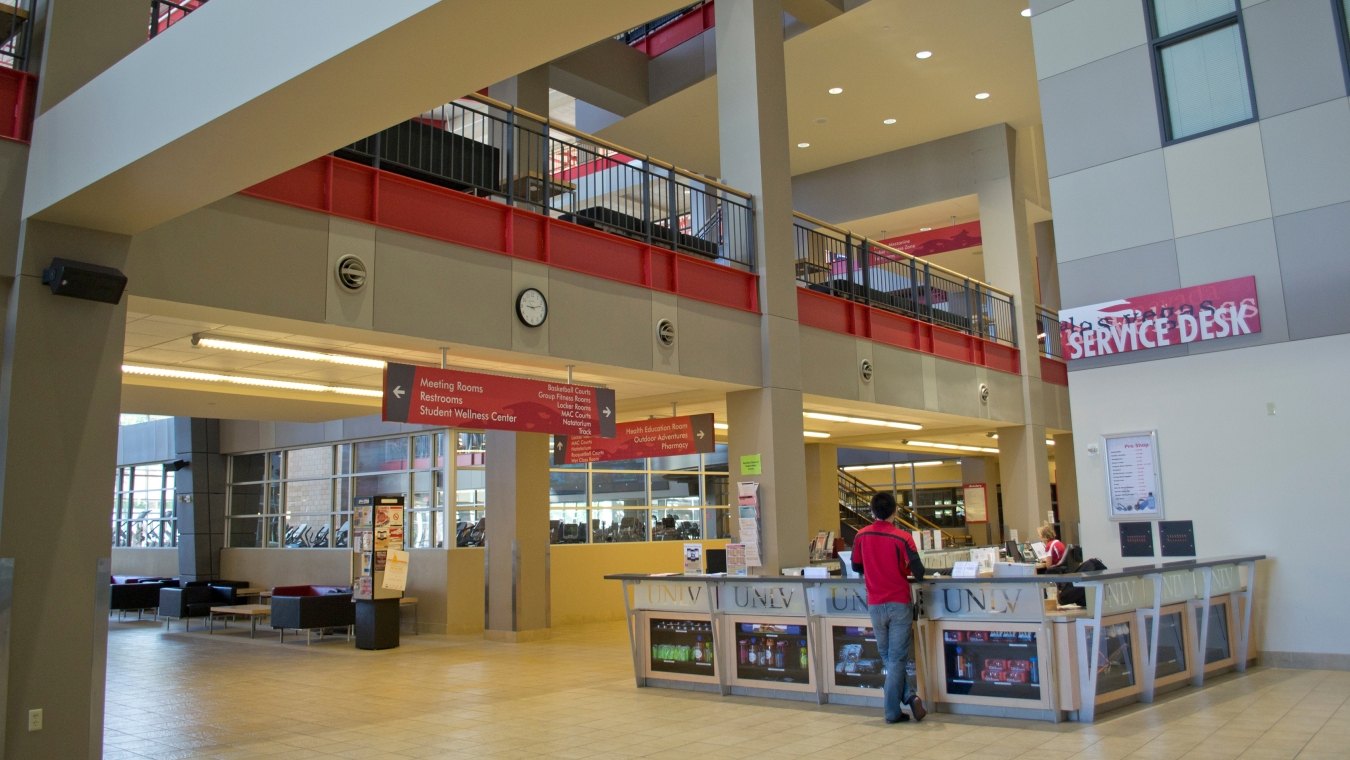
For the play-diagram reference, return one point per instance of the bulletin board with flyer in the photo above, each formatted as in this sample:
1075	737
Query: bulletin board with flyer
379	563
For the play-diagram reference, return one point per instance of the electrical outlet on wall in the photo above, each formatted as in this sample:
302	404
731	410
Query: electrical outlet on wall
35	719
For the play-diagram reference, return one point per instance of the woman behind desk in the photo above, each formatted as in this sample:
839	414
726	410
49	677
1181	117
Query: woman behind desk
1056	551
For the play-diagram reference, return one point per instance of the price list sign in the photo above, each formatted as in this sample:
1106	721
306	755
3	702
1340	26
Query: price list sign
431	396
1134	491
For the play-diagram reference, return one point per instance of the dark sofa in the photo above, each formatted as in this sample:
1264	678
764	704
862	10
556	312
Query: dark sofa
195	599
132	593
609	220
311	608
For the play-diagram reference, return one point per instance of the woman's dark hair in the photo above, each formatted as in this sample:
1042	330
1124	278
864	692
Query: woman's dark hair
883	506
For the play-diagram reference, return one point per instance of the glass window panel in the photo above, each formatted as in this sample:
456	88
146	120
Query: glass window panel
274	465
420	531
675	489
567	488
307	531
717	460
247	468
676	524
384	455
344	458
309	463
470	527
682	462
716	523
246	499
375	485
567	526
423	456
470	449
1205	79
717	491
470	488
422	494
245	533
309	496
147	478
615	525
442	449
1174	15
618	489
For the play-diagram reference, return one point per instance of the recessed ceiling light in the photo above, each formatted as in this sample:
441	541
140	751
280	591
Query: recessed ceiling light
861	420
256	382
285	352
803	145
981	96
924	229
924	54
1026	13
836	90
888	121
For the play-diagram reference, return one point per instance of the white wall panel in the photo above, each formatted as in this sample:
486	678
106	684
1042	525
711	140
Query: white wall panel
1083	31
1217	181
1110	207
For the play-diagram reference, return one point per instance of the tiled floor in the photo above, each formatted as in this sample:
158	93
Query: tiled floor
177	695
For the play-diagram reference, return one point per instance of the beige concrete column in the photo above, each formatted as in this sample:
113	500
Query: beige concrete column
822	487
752	129
76	40
1010	264
517	536
60	392
1066	488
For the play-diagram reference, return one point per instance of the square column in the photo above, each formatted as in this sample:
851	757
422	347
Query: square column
60	393
517	536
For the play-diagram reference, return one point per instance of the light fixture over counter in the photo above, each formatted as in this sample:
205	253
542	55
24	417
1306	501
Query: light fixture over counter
283	352
254	382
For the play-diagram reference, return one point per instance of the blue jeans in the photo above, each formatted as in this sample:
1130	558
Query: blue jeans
891	623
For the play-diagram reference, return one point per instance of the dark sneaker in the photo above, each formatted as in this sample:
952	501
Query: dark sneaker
902	719
916	707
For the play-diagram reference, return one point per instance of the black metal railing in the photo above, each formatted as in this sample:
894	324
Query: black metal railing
16	33
855	510
642	32
165	13
1048	335
493	150
835	261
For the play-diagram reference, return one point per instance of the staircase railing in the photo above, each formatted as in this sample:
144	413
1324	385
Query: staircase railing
855	504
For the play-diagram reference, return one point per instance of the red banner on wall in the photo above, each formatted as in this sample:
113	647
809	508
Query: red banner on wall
431	396
1173	317
664	437
940	240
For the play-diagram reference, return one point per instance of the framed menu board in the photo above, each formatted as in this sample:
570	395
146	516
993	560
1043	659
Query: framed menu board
1133	482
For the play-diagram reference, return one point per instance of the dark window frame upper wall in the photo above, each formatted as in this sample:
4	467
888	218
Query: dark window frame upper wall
1159	43
1340	10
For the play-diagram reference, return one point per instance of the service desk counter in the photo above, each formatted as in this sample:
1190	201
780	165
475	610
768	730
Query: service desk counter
990	646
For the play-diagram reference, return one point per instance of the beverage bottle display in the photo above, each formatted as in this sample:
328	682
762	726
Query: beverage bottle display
1035	672
778	654
801	650
754	651
960	663
698	649
743	651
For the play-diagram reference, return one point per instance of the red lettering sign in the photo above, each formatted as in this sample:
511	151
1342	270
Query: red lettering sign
1173	317
665	437
431	396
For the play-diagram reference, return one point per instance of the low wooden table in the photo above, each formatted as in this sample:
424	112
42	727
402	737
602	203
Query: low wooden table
250	611
261	593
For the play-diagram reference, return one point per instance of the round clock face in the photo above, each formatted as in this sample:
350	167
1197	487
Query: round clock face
531	307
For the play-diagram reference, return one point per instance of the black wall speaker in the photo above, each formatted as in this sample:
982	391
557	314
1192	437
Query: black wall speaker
88	281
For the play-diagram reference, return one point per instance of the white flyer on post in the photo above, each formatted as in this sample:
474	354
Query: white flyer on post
395	571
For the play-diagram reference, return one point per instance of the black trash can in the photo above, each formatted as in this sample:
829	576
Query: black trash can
376	623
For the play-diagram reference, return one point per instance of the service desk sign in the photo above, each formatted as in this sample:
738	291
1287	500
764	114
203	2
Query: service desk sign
431	396
664	437
1171	318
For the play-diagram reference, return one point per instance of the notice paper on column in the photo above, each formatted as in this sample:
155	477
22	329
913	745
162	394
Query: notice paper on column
396	571
749	536
693	559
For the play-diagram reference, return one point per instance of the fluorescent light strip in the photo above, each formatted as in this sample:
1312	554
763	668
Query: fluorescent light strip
1048	441
856	467
861	421
286	353
951	447
256	382
805	433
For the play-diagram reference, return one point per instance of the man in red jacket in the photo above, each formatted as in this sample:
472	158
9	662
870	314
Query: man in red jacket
886	557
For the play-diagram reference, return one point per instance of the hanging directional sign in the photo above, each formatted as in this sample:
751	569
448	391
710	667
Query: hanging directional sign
432	396
664	437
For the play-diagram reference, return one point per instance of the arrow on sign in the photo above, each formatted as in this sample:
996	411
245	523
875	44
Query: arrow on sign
398	391
605	411
699	435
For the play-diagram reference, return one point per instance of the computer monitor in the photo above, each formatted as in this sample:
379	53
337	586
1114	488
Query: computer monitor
716	560
1014	552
